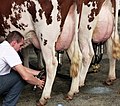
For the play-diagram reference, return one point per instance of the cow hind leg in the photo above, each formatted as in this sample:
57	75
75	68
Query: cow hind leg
113	50
87	53
51	66
112	61
76	63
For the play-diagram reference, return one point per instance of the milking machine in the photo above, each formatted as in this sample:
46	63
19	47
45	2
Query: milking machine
98	53
60	59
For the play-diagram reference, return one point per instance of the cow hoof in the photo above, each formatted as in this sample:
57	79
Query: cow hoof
38	103
68	97
109	82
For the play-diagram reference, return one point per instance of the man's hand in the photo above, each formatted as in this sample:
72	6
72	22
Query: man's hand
41	83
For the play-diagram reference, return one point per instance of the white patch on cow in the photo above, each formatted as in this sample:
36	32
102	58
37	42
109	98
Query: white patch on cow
41	26
84	18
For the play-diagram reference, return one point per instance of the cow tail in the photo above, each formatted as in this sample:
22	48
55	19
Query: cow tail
115	37
116	47
76	57
74	65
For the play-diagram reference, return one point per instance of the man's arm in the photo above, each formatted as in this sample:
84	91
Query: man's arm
32	71
27	76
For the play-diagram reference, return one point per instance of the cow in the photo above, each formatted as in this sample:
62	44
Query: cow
54	25
45	20
99	24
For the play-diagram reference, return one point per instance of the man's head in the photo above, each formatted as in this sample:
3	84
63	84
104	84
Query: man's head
15	39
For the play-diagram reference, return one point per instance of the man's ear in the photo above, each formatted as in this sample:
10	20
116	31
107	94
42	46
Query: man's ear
13	43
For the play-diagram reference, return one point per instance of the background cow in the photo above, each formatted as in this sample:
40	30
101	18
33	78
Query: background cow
99	24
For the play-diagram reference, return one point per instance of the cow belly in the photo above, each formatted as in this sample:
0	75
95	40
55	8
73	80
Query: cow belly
104	26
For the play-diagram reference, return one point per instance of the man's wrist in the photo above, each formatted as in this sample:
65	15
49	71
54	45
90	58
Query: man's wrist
38	82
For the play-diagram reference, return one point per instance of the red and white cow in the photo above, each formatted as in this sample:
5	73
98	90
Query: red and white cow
98	23
54	22
49	19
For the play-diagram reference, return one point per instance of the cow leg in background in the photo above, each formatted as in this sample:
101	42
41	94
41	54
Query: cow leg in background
113	49
112	63
30	41
40	60
112	52
25	53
